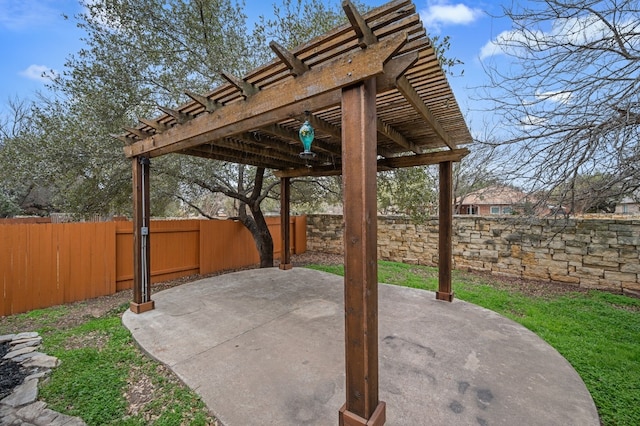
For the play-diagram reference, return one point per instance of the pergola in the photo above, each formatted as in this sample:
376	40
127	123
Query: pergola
375	93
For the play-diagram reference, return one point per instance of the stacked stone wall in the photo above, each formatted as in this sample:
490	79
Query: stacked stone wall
589	253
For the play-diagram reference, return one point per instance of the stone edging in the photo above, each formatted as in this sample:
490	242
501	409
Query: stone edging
21	406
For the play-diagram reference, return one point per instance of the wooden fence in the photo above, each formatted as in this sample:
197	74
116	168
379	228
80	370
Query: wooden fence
48	264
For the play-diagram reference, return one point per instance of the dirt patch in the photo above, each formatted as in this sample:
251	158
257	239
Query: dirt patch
140	391
94	339
543	289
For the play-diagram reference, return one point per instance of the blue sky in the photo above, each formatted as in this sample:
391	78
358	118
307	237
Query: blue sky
35	37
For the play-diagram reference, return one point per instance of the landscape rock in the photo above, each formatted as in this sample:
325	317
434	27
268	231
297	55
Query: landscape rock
23	357
27	335
24	343
6	338
32	411
24	394
42	361
22	351
21	406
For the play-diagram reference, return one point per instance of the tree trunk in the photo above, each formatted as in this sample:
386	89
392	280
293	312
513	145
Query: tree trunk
263	239
256	223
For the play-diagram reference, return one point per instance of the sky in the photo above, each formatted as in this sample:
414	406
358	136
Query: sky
36	37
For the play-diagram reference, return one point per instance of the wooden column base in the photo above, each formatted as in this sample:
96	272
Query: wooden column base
447	297
138	308
379	416
285	266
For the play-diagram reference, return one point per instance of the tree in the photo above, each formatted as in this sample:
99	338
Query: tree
591	194
143	53
473	173
20	191
568	96
409	191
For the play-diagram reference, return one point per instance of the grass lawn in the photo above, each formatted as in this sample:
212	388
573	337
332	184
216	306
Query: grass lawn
103	377
597	332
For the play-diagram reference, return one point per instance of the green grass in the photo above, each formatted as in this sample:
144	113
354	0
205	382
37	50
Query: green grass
597	332
99	362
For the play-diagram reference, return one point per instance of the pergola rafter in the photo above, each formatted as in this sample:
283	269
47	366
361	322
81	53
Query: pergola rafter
375	93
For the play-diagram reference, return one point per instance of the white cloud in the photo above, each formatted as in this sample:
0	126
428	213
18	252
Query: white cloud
505	43
557	96
41	73
441	13
531	120
580	30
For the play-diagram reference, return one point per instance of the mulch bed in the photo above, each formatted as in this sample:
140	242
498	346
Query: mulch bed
11	373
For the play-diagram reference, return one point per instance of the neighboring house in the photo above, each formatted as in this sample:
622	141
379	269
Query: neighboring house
493	200
628	206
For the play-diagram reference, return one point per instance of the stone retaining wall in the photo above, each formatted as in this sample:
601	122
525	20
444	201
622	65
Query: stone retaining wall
590	253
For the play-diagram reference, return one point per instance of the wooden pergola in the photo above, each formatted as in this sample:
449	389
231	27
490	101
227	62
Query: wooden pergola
375	93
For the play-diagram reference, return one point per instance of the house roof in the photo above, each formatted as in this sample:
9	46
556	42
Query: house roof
495	195
255	120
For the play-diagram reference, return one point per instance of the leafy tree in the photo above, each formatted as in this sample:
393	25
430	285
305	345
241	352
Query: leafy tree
20	190
144	53
409	191
588	194
568	96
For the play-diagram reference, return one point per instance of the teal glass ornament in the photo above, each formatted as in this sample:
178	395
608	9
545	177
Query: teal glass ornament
306	134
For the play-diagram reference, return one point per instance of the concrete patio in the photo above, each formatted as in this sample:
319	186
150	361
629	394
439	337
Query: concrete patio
266	347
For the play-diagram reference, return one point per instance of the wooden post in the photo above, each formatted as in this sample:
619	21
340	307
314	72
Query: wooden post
445	223
362	406
285	234
141	256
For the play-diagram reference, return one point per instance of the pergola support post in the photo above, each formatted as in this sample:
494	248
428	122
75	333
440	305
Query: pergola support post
141	255
445	224
285	214
362	406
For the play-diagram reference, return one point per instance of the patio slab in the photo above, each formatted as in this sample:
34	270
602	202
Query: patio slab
266	347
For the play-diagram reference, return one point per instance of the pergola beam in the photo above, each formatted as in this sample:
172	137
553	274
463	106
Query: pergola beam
231	156
295	65
124	139
284	133
277	146
382	164
316	89
388	131
207	103
180	117
332	130
159	127
245	87
424	159
238	143
139	133
413	97
359	25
